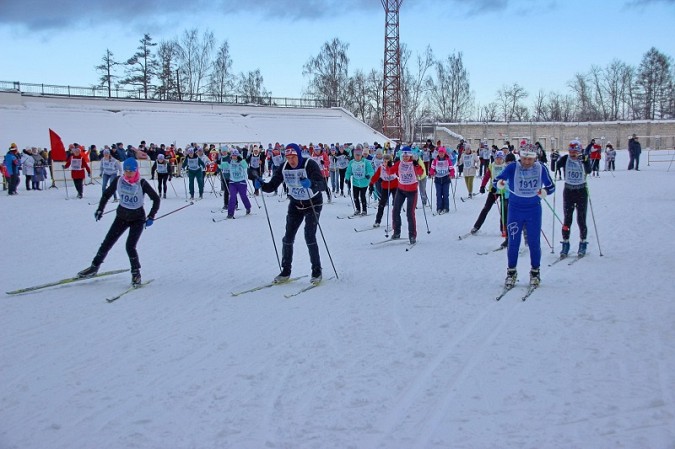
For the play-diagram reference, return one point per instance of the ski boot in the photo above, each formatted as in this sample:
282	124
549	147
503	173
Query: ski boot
395	236
413	240
88	272
474	231
535	279
284	276
136	278
582	248
316	276
511	277
565	249
377	224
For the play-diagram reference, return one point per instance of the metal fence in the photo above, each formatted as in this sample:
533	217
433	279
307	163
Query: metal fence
155	94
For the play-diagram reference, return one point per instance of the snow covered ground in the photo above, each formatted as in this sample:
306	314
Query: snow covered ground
404	350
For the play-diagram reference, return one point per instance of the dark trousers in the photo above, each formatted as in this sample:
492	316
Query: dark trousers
293	221
162	178
29	181
491	199
575	199
410	198
343	173
116	230
199	176
79	183
384	200
442	193
634	161
360	204
13	183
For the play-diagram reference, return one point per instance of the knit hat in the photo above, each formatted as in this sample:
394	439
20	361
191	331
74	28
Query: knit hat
358	150
12	145
235	152
406	151
528	150
443	151
499	154
293	148
190	150
574	145
160	157
130	164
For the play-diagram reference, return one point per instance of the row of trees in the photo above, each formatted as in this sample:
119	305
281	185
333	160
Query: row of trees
189	68
433	90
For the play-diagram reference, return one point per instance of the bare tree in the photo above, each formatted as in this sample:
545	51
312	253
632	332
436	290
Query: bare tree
106	68
375	89
251	88
414	86
539	112
195	61
583	92
142	66
329	73
509	99
359	100
653	81
167	56
489	112
221	80
450	92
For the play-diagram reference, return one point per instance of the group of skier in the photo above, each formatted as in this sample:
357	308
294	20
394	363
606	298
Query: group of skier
394	177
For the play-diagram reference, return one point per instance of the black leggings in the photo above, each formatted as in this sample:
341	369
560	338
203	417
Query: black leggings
116	230
161	181
575	199
343	173
360	204
293	221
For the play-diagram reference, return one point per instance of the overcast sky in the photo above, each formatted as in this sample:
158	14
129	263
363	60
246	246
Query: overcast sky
540	45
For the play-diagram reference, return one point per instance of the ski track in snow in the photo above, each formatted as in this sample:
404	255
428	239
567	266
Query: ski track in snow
405	350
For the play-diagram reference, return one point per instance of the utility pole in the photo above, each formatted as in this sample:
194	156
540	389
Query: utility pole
391	98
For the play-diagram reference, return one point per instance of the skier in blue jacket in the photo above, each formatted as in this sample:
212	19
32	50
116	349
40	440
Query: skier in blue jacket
528	182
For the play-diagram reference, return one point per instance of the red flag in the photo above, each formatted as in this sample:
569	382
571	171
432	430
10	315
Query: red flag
58	150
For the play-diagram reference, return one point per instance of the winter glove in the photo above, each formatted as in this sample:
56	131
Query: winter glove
98	214
149	221
482	189
256	183
415	162
348	182
542	194
306	183
501	184
390	164
370	189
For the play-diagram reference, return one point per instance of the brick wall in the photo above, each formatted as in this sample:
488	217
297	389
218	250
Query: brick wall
652	134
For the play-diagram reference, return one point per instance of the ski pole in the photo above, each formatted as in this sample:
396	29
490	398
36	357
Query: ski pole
316	217
175	210
546	238
351	197
252	193
553	210
174	189
65	182
389	195
553	223
269	223
431	198
185	185
424	212
454	189
597	237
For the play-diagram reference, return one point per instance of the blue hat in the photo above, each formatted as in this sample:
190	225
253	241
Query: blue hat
294	148
407	151
130	164
235	152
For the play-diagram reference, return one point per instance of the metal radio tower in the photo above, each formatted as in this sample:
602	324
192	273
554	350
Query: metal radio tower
391	107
